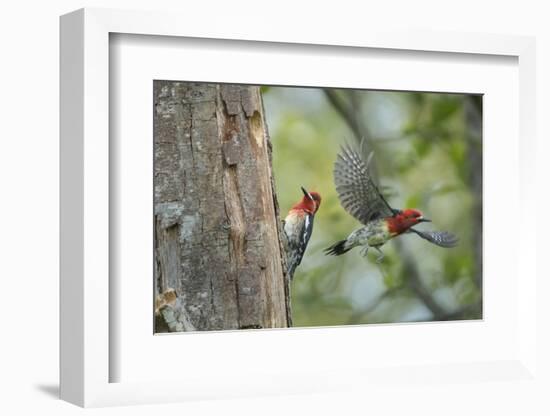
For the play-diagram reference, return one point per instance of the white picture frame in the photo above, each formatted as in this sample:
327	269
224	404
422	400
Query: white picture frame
86	357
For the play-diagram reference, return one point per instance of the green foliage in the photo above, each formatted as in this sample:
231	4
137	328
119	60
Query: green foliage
445	107
422	145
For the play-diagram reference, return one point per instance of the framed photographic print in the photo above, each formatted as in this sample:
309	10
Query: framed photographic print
222	261
264	214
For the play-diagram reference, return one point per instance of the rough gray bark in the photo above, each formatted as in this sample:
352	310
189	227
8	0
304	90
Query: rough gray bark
217	234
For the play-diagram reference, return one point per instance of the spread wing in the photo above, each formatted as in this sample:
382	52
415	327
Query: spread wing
356	189
439	238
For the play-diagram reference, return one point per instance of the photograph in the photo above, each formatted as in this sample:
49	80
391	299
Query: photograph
291	206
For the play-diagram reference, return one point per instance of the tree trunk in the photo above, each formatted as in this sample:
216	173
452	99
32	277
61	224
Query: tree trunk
218	244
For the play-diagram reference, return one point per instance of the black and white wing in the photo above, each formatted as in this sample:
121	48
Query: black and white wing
439	238
298	241
356	189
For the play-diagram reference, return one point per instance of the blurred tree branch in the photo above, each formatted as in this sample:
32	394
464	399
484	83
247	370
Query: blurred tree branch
355	317
347	111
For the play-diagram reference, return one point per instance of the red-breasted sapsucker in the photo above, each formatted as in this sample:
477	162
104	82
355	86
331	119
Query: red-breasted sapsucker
298	228
361	198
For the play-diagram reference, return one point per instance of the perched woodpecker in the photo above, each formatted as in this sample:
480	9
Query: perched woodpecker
361	198
299	226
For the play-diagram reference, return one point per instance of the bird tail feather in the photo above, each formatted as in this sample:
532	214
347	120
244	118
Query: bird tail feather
293	262
338	248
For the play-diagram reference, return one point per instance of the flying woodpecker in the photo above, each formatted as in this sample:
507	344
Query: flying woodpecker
299	226
361	198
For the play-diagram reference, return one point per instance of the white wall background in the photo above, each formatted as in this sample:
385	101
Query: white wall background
29	209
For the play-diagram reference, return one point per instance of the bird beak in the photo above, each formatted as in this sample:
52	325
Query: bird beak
306	193
422	219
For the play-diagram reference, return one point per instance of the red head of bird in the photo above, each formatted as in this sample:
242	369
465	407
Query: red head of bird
309	203
404	220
